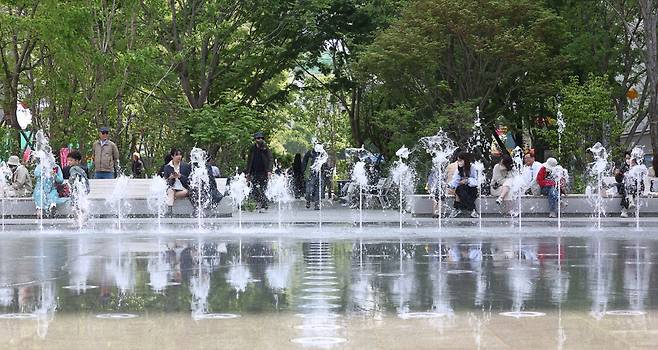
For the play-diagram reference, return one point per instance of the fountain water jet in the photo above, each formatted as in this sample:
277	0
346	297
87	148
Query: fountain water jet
43	152
359	173
440	147
239	191
199	184
597	170
404	176
316	168
157	199
117	200
637	173
5	181
278	190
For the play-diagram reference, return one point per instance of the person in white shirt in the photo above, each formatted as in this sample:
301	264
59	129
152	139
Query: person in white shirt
530	170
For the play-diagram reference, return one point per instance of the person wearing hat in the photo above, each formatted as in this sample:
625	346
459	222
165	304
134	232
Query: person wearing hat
106	155
21	182
547	185
259	169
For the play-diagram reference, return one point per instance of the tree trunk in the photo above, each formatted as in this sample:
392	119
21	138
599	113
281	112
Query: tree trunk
650	17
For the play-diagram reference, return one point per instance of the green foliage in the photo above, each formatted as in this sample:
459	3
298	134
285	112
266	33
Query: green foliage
589	116
442	57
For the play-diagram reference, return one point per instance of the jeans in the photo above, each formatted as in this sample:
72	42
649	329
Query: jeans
106	175
552	194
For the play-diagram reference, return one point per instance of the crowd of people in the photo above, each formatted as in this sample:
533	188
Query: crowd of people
460	179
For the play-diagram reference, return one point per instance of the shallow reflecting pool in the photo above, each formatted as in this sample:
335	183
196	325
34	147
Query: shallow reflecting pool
189	290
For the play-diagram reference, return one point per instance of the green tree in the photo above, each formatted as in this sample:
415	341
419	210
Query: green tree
441	54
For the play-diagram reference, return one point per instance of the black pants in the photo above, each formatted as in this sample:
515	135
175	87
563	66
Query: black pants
259	183
467	196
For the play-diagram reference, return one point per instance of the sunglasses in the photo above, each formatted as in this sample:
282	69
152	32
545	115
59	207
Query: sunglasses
259	138
104	132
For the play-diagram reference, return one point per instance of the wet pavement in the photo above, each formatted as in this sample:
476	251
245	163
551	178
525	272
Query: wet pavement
452	289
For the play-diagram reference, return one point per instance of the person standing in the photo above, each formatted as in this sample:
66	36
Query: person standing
298	176
106	156
137	166
312	193
259	169
21	183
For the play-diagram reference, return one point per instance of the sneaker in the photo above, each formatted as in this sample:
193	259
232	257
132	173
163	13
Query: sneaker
317	207
308	204
552	215
474	214
499	201
624	213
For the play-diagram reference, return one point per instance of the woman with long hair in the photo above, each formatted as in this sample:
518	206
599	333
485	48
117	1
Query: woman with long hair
465	183
502	179
298	176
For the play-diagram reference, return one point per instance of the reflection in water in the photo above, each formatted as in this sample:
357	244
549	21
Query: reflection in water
637	271
600	274
324	281
121	268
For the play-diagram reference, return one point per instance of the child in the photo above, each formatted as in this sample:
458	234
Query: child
78	177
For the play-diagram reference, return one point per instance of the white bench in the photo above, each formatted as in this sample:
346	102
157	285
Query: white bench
134	200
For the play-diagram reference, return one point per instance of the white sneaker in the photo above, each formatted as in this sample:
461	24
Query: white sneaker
499	201
474	214
552	215
624	213
631	202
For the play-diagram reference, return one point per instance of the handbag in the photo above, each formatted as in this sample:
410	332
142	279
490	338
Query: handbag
63	190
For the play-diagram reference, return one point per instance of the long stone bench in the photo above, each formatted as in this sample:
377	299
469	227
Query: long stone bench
578	205
133	201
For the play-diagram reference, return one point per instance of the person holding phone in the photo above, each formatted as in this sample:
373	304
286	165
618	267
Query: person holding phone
177	174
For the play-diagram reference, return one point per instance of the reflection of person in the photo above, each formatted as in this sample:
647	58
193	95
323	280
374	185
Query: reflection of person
21	183
106	155
465	183
259	169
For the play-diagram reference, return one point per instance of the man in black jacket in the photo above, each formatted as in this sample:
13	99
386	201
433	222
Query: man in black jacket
259	169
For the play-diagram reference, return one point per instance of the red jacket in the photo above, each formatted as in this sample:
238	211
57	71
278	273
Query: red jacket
542	180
